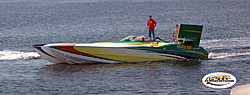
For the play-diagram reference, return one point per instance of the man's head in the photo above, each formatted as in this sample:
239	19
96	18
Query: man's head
150	17
177	26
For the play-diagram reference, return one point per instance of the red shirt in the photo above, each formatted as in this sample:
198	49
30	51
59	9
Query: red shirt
151	23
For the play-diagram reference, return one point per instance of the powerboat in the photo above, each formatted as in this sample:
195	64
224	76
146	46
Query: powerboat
127	50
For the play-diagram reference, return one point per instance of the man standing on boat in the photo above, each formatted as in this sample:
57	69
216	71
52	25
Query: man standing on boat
151	25
175	33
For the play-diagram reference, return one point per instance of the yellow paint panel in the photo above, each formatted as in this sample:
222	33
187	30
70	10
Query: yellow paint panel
126	55
150	44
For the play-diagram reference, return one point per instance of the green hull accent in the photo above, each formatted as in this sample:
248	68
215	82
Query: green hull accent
180	51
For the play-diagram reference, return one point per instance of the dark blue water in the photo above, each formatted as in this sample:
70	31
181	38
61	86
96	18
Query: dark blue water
23	23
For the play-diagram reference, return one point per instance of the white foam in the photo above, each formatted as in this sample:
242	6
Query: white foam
225	43
11	55
225	55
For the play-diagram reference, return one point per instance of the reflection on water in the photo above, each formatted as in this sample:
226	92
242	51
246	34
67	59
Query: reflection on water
60	69
186	63
131	78
171	77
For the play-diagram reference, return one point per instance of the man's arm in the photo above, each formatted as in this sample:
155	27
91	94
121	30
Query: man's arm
155	23
173	35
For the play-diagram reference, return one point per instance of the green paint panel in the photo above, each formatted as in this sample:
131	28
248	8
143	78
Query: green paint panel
189	34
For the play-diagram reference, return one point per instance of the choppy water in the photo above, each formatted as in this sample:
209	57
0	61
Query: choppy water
24	23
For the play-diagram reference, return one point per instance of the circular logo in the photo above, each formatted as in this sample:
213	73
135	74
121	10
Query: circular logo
219	80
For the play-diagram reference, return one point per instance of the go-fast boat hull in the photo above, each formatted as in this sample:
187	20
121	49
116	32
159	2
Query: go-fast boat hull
118	52
127	50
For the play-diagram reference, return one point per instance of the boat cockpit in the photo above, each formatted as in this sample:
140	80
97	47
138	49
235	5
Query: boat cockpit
133	38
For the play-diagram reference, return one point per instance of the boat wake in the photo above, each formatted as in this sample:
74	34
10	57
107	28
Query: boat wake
225	43
12	55
224	48
225	55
